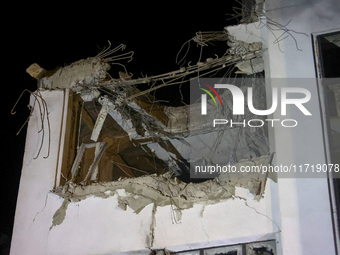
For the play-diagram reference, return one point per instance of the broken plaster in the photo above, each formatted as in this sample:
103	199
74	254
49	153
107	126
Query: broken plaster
83	72
245	52
60	214
160	191
244	39
251	66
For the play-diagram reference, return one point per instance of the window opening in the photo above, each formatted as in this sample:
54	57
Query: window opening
328	67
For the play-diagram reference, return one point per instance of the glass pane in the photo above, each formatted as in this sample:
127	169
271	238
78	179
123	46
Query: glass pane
261	248
228	250
195	252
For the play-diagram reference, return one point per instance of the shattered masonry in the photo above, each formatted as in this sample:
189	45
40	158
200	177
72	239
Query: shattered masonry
120	131
162	190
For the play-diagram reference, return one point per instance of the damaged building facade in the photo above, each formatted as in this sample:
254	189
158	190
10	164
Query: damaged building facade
108	169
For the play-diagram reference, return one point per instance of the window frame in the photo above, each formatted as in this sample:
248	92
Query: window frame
325	117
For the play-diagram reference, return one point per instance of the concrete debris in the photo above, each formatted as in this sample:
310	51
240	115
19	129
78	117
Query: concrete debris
252	66
150	189
100	120
138	137
82	73
184	132
252	11
178	119
85	72
89	95
36	71
162	138
161	191
245	40
247	36
244	49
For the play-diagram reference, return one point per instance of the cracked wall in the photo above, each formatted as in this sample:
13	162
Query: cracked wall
131	122
162	191
158	227
103	223
152	211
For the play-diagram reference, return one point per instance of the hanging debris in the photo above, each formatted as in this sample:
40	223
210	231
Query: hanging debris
163	190
81	74
123	138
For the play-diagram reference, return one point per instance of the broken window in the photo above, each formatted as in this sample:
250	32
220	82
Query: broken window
258	248
100	148
118	128
109	138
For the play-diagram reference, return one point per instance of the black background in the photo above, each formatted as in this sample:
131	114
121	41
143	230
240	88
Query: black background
56	35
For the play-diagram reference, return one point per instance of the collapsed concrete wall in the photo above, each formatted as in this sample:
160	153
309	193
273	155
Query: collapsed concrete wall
165	190
152	145
171	125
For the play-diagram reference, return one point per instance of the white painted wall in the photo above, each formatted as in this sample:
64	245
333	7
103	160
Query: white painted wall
305	204
98	226
37	179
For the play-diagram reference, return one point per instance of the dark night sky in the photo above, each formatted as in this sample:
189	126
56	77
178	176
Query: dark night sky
50	38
